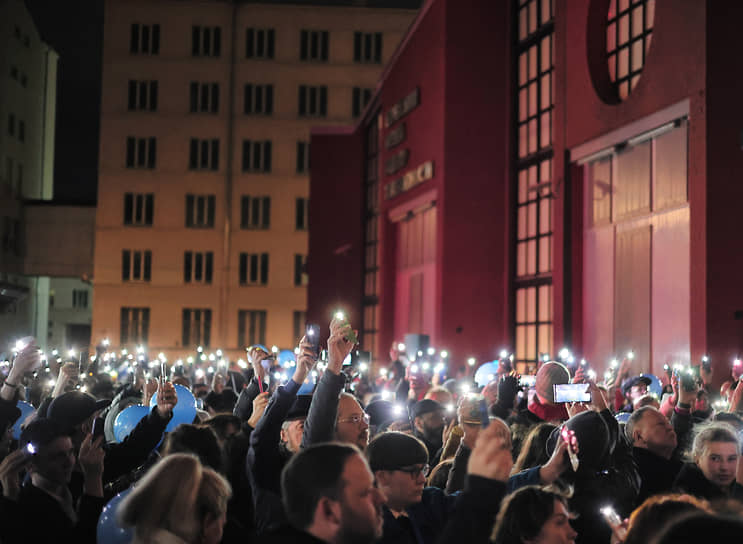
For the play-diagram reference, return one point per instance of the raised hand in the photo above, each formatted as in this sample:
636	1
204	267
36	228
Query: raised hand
167	398
259	406
338	344
91	457
10	470
305	361
491	457
559	461
256	356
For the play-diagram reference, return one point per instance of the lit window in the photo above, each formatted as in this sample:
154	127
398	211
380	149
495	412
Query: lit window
629	31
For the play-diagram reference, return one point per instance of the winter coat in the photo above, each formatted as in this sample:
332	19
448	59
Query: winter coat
691	480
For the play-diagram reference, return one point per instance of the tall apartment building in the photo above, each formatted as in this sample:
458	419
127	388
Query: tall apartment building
28	83
201	228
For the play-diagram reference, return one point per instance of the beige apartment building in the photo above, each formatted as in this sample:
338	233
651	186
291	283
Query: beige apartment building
201	227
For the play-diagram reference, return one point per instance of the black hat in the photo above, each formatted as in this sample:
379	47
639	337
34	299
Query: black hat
393	450
300	408
71	409
594	440
425	406
40	432
380	412
635	380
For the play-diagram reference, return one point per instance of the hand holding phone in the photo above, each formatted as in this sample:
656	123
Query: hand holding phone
614	521
572	392
568	437
98	427
312	334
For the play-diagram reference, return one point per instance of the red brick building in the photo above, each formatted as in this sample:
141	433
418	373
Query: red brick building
531	174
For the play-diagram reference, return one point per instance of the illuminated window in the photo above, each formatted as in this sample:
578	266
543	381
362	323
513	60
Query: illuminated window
533	202
370	324
629	31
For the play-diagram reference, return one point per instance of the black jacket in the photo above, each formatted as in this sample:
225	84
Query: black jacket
692	480
657	474
320	424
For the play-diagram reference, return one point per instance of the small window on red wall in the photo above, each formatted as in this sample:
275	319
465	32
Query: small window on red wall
629	31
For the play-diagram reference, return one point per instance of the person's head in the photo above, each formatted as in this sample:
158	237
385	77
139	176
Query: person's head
534	449
428	419
534	515
180	496
595	442
198	440
220	403
54	457
440	394
648	519
352	424
700	527
550	374
74	412
400	465
224	425
635	387
649	429
293	426
702	404
328	491
440	474
646	400
715	451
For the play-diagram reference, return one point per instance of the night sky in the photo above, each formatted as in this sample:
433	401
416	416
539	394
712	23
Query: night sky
74	28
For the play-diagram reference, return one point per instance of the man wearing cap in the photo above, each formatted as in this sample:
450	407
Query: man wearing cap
633	389
43	510
428	427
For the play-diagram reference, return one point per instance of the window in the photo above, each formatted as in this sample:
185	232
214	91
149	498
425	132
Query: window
258	99
303	157
11	124
533	191
629	31
21	131
204	97
135	325
139	209
142	95
197	267
145	39
255	212
136	265
367	47
259	43
203	154
197	327
299	319
251	327
79	298
302	215
200	211
256	156
253	268
313	101
206	41
360	99
300	270
141	152
313	45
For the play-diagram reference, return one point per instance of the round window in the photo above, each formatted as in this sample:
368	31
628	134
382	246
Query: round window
629	31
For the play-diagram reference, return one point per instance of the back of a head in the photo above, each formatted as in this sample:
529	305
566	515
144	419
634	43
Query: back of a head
696	528
198	440
523	514
534	449
651	516
175	495
311	474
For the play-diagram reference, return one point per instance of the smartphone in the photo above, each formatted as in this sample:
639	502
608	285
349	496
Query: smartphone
529	380
574	461
163	372
484	415
312	332
572	392
98	427
31	448
614	521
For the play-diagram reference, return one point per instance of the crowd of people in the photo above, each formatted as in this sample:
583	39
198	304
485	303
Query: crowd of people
325	452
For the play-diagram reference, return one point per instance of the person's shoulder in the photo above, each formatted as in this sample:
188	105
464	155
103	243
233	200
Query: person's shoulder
287	533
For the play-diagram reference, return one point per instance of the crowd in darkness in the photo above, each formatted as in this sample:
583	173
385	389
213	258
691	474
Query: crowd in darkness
327	452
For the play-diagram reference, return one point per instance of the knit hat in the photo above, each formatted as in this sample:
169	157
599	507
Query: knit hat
393	450
469	410
594	440
425	406
552	373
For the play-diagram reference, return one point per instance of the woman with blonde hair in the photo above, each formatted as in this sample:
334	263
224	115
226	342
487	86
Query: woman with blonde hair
178	501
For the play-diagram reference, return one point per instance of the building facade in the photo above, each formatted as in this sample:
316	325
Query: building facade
534	174
201	229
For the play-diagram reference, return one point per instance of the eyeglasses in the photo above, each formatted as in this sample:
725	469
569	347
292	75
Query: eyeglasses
416	470
356	419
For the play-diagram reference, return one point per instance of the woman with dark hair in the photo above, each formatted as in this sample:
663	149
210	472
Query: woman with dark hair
534	515
651	516
534	449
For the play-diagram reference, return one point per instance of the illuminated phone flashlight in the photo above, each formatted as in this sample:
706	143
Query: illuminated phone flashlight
431	351
666	367
397	410
737	362
705	359
439	367
363	367
571	359
71	353
340	316
385	394
630	355
20	345
199	349
420	353
426	366
106	342
199	373
471	361
383	372
210	370
444	354
583	362
613	363
607	375
450	408
464	388
30	448
414	369
203	357
401	347
546	357
55	352
219	353
564	353
591	374
503	354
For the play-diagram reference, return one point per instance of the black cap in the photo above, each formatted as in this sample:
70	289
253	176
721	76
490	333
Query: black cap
40	432
393	450
71	409
300	408
380	412
635	380
425	406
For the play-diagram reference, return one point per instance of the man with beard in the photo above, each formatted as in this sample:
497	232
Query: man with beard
428	426
329	497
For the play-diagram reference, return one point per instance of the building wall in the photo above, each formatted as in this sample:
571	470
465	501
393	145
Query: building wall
171	180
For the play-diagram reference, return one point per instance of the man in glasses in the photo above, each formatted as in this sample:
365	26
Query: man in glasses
352	425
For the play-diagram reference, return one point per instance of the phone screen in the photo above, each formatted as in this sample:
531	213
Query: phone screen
312	332
98	427
528	380
572	392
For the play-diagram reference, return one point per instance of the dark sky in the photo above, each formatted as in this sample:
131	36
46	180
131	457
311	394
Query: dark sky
74	28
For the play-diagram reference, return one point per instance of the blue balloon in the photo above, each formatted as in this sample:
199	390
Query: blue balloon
127	419
26	410
486	373
622	417
309	384
109	531
185	408
655	387
286	356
